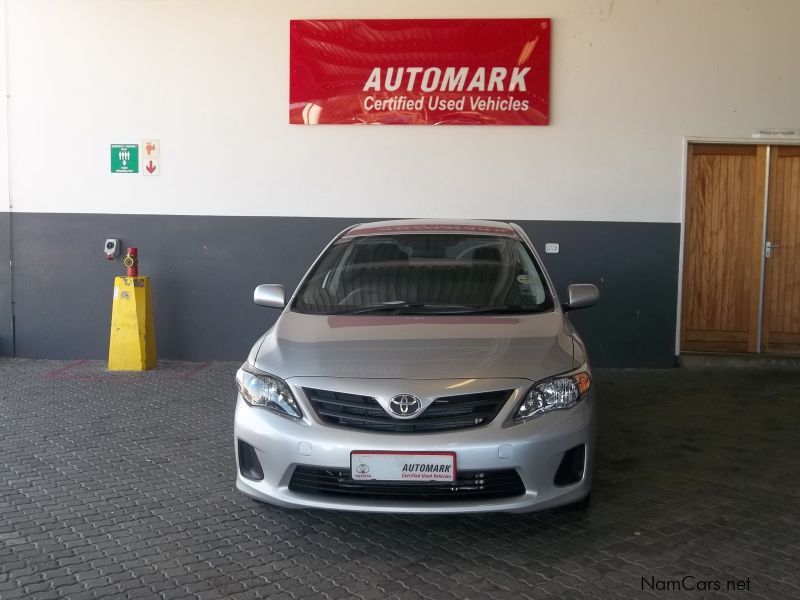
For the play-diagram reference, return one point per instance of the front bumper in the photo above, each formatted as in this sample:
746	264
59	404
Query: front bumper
534	449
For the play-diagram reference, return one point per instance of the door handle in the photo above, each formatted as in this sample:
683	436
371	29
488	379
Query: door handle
770	246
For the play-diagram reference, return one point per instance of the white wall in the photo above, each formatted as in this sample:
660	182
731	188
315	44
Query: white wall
209	78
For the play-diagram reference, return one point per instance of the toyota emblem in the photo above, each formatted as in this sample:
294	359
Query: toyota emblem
405	405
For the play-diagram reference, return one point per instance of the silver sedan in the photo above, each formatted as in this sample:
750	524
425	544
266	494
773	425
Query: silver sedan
421	366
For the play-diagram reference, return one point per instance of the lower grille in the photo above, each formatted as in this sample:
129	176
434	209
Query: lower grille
444	414
469	485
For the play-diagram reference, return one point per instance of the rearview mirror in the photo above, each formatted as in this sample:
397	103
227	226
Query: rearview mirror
270	294
581	295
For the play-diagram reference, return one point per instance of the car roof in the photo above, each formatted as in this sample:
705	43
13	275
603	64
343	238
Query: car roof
401	226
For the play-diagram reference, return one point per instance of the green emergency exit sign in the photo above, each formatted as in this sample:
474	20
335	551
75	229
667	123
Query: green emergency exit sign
124	158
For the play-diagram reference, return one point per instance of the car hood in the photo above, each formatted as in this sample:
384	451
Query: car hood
416	347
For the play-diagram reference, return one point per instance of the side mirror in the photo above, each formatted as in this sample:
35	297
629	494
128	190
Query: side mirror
581	295
270	294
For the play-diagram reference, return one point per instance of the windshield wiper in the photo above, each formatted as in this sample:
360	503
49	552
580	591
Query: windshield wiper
393	305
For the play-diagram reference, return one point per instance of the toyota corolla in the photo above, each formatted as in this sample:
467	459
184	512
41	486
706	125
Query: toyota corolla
420	366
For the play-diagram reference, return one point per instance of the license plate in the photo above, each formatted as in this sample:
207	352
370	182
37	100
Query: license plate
366	465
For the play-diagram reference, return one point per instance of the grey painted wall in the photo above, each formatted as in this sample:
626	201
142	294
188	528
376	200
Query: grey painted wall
204	270
635	265
6	326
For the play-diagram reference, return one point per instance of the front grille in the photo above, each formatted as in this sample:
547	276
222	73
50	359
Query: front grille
469	485
446	413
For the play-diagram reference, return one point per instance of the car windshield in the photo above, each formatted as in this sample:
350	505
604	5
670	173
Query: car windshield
424	274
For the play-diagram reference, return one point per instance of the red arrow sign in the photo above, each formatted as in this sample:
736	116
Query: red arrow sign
150	167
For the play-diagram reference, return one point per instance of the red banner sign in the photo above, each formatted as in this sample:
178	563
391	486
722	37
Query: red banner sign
420	72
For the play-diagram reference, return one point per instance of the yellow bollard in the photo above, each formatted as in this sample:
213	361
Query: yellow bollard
133	340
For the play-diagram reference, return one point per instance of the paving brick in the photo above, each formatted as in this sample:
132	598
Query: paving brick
121	485
174	594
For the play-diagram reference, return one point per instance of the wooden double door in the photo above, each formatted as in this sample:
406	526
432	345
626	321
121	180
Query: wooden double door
741	265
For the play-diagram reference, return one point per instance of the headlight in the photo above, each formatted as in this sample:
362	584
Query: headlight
260	389
552	394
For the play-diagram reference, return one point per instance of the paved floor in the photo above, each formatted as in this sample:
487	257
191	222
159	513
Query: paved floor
121	485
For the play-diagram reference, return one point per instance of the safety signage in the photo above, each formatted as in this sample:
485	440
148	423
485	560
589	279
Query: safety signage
124	158
151	157
420	71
